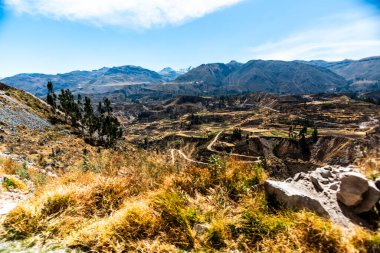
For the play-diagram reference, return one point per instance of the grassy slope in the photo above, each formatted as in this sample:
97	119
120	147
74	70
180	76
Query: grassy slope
138	201
117	201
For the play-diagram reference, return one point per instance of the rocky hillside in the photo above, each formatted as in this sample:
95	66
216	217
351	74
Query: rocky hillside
96	81
264	76
19	109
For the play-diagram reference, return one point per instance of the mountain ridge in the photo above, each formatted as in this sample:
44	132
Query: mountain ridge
265	76
256	75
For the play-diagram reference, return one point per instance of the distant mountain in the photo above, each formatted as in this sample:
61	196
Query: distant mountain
169	74
364	69
363	74
213	73
296	77
96	81
264	76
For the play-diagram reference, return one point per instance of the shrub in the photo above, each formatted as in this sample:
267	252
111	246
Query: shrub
135	221
8	166
12	183
172	208
21	222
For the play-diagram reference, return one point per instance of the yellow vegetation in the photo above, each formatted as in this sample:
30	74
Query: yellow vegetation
138	201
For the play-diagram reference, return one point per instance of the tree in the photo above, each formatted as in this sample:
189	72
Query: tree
315	135
68	105
51	98
236	134
101	124
111	130
88	116
79	112
107	106
303	132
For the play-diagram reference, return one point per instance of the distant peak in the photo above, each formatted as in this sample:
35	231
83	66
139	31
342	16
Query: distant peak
167	69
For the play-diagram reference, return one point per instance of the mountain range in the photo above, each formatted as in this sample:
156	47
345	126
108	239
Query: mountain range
265	76
289	77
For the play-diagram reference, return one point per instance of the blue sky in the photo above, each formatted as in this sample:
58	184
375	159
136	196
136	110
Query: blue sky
55	36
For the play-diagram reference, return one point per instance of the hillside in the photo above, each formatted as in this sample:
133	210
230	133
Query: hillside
180	179
364	69
213	73
264	76
96	81
363	74
19	109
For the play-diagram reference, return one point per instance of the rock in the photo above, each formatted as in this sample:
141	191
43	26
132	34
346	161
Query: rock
324	172
316	183
325	181
334	187
293	198
344	170
370	198
201	229
297	177
352	187
377	183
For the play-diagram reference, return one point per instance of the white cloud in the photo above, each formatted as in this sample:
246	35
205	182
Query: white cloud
335	38
140	13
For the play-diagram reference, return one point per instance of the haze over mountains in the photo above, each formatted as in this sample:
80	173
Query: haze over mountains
296	77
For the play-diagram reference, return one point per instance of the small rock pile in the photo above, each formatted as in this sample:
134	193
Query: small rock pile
339	193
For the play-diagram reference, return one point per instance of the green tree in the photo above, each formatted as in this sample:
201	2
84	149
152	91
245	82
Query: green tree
51	98
111	130
107	106
315	135
303	132
236	134
88	116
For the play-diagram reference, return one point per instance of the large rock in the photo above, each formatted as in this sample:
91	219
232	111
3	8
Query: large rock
293	198
370	198
352	187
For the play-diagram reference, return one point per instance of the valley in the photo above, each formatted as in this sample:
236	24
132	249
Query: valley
195	172
220	126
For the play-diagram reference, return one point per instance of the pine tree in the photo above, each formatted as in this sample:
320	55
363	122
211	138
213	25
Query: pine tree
51	98
315	135
107	106
88	116
79	112
236	134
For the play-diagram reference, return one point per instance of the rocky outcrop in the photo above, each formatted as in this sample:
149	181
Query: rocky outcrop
370	199
293	198
339	193
352	187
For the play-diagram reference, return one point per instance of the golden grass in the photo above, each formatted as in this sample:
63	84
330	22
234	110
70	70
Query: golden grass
139	202
11	183
8	166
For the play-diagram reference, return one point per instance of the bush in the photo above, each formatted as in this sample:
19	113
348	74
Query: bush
12	183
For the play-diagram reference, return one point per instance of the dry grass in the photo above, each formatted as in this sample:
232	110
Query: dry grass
8	166
11	183
137	201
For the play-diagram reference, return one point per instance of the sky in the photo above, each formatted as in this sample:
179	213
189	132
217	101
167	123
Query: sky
57	36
